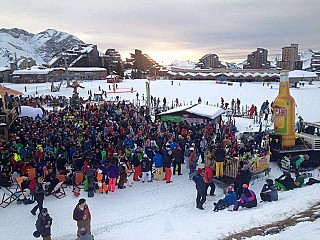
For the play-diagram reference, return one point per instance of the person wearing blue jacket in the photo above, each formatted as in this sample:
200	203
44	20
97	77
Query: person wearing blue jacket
158	164
201	189
229	200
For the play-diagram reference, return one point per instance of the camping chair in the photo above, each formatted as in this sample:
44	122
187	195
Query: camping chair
58	191
62	178
78	179
8	196
32	173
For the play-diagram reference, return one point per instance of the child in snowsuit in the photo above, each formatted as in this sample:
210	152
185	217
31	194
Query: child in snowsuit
269	192
248	199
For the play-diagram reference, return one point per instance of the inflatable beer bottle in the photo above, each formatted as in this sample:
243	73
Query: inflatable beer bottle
284	112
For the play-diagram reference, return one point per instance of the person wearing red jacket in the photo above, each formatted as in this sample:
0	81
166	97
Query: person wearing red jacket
82	215
208	179
251	111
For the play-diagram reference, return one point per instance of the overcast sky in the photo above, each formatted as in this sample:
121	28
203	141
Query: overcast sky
174	29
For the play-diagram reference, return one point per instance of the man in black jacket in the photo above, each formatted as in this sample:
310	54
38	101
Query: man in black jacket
177	157
201	189
43	224
220	155
38	196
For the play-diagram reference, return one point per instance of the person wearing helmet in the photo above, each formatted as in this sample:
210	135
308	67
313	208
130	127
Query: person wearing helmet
269	192
248	199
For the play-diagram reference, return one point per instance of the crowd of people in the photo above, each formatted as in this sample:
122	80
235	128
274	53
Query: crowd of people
108	141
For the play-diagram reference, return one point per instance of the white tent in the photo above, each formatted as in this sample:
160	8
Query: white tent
27	111
200	110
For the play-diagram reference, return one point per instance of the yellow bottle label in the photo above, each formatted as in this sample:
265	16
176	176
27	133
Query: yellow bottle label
280	119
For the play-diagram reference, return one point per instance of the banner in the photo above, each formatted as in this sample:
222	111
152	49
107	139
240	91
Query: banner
148	94
170	118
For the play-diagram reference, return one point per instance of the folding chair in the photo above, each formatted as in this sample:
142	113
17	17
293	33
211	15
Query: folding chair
8	197
32	173
62	178
18	189
58	191
78	179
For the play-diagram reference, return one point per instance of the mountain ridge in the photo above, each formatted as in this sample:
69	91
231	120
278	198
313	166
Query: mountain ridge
16	44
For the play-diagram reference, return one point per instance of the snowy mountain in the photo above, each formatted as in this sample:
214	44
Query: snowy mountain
183	64
41	47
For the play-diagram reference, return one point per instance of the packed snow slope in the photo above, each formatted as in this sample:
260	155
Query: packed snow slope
306	97
158	210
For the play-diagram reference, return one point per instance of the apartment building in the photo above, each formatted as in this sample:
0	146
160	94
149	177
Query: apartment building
315	62
143	65
257	59
290	58
210	60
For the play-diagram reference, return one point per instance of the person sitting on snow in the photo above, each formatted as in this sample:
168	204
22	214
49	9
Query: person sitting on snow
229	200
248	199
296	161
84	235
284	182
299	181
269	192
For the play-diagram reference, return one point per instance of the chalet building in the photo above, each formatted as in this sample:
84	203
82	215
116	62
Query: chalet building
26	63
257	59
41	75
4	74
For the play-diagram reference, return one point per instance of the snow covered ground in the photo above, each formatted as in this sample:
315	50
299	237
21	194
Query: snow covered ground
167	211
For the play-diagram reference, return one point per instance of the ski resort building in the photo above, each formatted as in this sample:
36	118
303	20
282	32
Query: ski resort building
41	75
